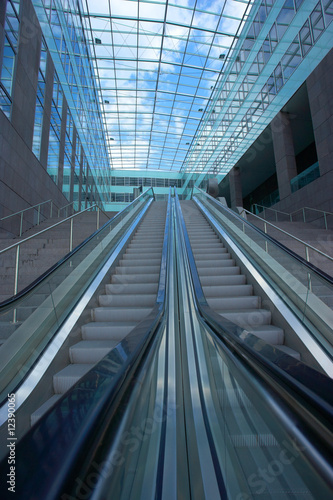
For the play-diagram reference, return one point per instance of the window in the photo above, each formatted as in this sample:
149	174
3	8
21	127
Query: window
291	59
306	39
317	22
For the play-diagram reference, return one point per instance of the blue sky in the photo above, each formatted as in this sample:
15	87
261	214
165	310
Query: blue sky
157	78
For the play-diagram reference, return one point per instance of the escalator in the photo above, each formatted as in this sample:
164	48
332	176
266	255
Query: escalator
188	403
225	287
69	318
128	299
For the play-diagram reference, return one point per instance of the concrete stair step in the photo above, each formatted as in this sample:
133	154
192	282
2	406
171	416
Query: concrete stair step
7	327
91	351
23	312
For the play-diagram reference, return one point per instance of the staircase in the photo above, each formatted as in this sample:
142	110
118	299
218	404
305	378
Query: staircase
319	238
128	299
225	288
40	253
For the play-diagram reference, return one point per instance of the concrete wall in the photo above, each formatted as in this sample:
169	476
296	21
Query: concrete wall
23	180
319	193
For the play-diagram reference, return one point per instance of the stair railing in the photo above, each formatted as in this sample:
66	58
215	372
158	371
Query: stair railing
67	207
306	245
37	208
17	245
293	215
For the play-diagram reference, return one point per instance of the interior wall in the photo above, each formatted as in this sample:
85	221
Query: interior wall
23	180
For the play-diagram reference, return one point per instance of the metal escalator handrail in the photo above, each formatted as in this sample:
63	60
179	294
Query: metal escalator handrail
73	429
293	254
11	300
290	377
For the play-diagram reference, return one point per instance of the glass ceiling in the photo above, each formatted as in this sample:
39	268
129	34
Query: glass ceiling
157	64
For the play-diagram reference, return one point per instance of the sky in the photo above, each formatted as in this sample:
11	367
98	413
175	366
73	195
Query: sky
157	64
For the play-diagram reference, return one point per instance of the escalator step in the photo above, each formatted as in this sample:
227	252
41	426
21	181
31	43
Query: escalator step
248	318
66	378
91	351
227	290
127	300
232	303
129	288
137	262
138	269
212	260
134	278
106	330
270	333
221	272
119	313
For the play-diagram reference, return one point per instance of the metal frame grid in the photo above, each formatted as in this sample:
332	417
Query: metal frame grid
156	63
278	49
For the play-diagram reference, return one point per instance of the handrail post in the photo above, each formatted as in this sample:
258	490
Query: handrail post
307	257
303	214
16	279
265	231
21	224
309	274
51	209
325	219
38	215
97	218
71	237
